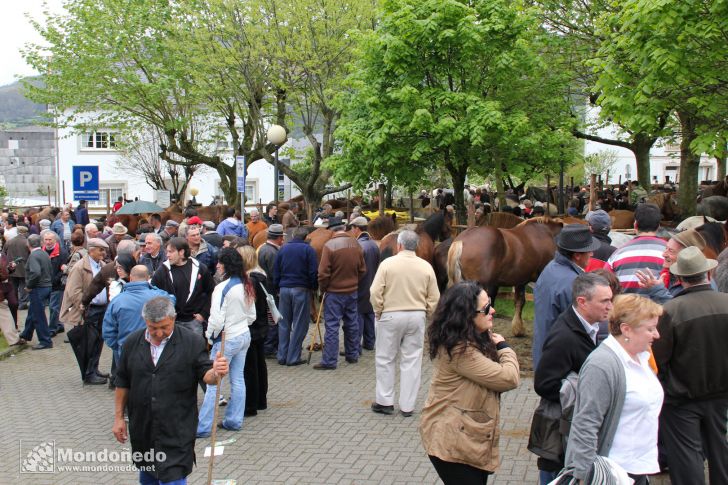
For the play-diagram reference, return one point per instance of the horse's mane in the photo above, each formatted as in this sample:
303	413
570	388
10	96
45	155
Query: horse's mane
381	226
503	220
433	225
714	235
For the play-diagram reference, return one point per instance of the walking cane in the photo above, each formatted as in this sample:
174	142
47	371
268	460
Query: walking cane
316	329
214	415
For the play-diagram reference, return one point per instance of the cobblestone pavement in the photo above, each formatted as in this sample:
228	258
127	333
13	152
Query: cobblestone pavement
318	428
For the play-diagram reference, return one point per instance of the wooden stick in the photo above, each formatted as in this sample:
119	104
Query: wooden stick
214	414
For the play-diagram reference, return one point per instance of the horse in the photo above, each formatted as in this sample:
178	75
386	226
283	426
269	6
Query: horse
694	221
503	220
437	226
504	257
47	212
621	219
131	222
381	226
714	206
668	205
716	238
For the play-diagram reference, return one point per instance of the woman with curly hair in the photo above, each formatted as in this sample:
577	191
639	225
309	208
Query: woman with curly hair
472	367
232	309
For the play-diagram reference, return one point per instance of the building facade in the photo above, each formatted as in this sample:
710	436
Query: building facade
28	163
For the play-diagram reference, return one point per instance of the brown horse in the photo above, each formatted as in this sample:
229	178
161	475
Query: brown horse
504	257
622	219
437	226
381	226
716	238
503	220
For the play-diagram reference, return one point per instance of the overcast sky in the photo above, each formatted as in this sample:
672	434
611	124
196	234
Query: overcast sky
16	31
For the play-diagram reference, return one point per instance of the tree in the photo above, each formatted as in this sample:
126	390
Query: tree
140	157
678	58
186	67
578	39
445	83
600	163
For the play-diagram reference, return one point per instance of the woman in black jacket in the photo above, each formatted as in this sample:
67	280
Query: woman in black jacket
256	371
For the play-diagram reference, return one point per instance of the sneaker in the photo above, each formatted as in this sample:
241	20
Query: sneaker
378	408
223	401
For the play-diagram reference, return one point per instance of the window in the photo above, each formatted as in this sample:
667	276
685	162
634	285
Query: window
116	190
251	190
99	140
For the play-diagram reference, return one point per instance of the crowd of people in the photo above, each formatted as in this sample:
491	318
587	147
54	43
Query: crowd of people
627	346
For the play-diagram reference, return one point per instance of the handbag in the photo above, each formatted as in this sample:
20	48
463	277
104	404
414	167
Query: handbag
275	314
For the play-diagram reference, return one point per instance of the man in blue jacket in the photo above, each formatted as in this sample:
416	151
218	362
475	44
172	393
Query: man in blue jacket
123	315
231	225
365	312
296	275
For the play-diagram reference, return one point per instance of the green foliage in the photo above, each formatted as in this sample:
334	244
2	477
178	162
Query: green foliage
450	83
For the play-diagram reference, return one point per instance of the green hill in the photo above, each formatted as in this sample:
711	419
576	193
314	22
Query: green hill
15	109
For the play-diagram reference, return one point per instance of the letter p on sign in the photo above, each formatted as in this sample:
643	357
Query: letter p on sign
85	177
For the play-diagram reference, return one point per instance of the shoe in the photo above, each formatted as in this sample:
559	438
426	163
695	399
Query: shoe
298	362
324	367
66	341
20	342
94	381
23	306
252	412
378	408
112	386
223	401
61	330
271	356
54	333
342	354
222	426
367	348
41	347
202	436
352	361
281	362
406	414
102	374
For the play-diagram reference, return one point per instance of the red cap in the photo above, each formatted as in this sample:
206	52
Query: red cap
194	221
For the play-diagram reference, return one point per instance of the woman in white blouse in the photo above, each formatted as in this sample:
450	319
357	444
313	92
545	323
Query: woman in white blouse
232	309
619	397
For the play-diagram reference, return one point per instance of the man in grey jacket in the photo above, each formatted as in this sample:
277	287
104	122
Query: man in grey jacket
38	282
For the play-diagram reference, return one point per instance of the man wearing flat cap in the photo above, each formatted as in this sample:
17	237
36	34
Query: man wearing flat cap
600	223
552	294
693	370
267	254
73	311
170	230
340	269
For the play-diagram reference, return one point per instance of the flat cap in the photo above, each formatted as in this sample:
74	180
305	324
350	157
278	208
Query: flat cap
360	221
97	242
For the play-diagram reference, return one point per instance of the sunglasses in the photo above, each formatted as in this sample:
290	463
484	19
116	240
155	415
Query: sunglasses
486	309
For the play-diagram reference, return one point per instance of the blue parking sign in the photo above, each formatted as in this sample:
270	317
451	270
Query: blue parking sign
85	182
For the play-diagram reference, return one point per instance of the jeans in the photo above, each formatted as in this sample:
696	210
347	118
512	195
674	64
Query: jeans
36	320
292	328
95	317
146	478
55	310
340	306
235	350
544	477
366	330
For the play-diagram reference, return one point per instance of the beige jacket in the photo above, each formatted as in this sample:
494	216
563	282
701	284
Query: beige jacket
460	419
404	282
79	278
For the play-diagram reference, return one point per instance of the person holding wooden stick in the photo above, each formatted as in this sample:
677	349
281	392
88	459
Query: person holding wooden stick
156	382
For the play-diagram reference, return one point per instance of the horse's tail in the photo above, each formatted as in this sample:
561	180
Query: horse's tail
454	270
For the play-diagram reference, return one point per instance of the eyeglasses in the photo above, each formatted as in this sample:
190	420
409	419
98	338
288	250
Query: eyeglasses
486	309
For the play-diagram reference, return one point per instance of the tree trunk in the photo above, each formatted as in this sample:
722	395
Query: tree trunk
458	174
641	149
389	190
689	165
312	199
720	159
500	188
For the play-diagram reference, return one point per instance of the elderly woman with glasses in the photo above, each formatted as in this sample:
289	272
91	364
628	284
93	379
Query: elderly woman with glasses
619	397
472	367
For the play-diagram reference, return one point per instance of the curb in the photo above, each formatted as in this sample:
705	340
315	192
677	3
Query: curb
11	351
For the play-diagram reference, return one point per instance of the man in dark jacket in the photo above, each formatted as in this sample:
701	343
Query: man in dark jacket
600	223
17	253
59	257
693	369
365	312
569	342
189	281
295	274
341	267
38	283
153	255
266	260
210	235
157	382
203	252
82	213
552	294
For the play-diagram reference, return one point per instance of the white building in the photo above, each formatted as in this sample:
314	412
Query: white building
100	148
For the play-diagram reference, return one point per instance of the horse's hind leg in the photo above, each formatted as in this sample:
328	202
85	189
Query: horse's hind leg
517	327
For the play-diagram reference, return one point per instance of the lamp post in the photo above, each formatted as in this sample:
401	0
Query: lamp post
276	135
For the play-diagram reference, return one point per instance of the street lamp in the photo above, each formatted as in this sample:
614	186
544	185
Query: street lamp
277	136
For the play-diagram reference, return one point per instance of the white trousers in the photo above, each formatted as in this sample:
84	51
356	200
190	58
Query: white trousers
399	333
7	325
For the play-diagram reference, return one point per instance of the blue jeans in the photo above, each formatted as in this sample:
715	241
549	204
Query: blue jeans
55	310
36	320
544	477
146	478
295	311
235	350
340	306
